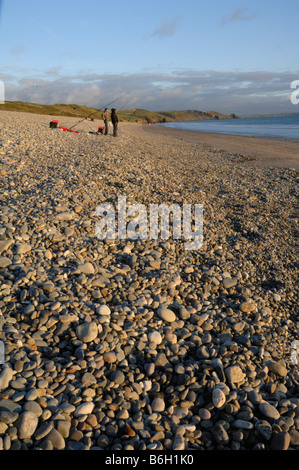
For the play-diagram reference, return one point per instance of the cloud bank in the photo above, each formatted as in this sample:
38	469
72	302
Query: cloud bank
227	92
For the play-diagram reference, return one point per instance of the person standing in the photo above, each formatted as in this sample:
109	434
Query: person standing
106	120
114	120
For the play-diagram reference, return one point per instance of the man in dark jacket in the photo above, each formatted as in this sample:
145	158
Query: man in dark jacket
114	120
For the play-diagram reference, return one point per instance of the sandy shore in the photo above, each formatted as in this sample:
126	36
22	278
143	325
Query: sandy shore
263	151
140	344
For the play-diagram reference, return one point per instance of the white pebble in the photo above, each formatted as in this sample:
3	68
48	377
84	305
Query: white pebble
155	337
166	314
104	310
218	398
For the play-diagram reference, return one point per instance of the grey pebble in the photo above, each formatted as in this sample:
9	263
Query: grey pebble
269	410
280	441
56	439
8	417
27	424
43	430
178	443
87	332
220	435
242	424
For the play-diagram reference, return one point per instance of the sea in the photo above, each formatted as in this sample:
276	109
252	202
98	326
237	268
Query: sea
284	127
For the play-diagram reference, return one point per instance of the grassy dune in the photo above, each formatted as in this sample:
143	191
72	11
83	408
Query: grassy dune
129	115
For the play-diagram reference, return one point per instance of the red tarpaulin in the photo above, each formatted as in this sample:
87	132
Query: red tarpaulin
68	130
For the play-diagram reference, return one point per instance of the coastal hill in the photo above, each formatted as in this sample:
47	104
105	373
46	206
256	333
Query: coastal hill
129	115
143	115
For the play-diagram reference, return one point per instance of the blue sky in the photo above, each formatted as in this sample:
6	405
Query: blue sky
229	56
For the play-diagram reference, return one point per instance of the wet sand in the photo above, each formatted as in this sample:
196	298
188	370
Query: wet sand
266	152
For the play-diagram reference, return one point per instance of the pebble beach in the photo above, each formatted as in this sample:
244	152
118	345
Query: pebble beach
124	345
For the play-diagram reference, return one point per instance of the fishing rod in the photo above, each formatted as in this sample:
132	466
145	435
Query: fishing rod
124	105
102	107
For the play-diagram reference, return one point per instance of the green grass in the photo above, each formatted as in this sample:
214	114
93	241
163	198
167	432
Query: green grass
129	115
70	110
143	115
